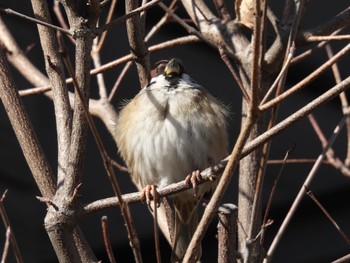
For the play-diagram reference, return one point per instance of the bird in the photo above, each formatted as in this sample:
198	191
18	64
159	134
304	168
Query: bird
168	132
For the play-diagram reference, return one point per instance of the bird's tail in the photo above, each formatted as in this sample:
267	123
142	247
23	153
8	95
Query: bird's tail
183	235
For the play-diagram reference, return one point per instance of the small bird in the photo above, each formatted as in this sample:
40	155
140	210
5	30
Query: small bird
170	130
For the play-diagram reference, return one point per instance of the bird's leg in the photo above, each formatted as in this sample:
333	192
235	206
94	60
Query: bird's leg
147	194
193	179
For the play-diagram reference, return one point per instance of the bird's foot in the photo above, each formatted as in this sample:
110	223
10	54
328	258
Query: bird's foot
150	193
193	179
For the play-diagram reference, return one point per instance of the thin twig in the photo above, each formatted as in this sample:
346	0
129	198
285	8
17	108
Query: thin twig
234	74
106	239
296	161
155	48
61	20
7	224
327	38
302	191
7	245
9	11
119	80
272	193
304	111
155	223
119	167
343	100
330	218
95	55
129	15
191	30
313	50
282	73
306	80
128	65
108	19
333	160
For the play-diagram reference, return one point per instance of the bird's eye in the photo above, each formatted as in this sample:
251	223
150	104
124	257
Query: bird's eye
160	69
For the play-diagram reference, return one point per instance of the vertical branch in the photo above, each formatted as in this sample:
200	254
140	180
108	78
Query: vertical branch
227	233
68	241
104	224
137	44
84	37
249	214
134	242
55	72
266	148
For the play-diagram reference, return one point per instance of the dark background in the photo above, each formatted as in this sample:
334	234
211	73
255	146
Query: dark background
310	237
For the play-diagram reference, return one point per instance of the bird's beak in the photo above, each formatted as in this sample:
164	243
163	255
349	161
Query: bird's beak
172	68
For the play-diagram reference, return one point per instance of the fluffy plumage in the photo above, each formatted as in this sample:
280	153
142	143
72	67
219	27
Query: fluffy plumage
172	127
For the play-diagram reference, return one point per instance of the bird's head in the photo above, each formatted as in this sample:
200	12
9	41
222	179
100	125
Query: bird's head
171	69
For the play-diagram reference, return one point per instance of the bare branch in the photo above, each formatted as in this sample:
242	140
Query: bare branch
234	74
330	218
227	233
138	47
24	131
344	259
33	20
343	99
155	222
7	224
129	15
306	80
302	191
339	21
134	242
273	190
55	71
333	160
327	38
6	245
104	223
322	99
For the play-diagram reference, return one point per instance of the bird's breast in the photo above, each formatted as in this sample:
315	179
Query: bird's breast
170	135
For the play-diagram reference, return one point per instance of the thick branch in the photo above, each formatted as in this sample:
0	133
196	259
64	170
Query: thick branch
55	71
23	129
137	45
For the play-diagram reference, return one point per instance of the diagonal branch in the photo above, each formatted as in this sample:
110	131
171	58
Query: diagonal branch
55	71
302	191
24	131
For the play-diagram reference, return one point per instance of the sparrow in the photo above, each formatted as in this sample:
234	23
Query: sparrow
171	129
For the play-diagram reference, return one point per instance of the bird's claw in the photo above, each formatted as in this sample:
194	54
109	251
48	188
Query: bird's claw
150	193
193	179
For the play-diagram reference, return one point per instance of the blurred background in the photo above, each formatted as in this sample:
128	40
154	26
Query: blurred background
310	237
